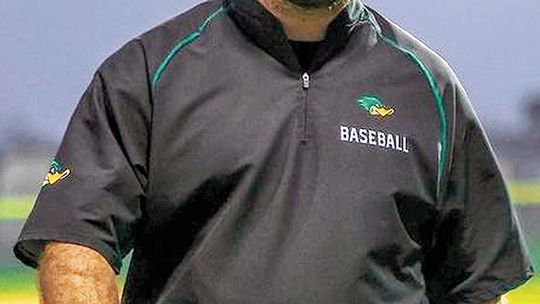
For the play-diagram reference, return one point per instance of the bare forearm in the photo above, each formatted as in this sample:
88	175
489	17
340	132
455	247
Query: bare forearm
75	274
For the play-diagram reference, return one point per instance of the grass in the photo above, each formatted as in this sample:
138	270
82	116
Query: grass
524	192
18	286
15	208
16	278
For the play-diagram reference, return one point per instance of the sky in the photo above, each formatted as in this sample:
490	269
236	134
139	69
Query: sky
50	49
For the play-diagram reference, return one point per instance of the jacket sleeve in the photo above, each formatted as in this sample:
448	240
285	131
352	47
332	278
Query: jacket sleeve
94	191
479	252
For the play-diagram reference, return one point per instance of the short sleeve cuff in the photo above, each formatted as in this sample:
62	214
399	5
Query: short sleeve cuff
30	245
496	290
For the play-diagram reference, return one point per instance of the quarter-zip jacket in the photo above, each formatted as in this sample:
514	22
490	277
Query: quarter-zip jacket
238	177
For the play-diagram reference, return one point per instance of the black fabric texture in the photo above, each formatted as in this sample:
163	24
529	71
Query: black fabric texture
265	30
99	204
234	181
478	251
304	51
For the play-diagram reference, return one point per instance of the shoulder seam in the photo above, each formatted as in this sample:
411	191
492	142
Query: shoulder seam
185	41
435	91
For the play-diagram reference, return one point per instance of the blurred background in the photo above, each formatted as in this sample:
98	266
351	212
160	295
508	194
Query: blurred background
50	49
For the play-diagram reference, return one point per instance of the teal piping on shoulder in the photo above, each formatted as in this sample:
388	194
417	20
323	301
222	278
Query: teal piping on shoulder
434	88
180	45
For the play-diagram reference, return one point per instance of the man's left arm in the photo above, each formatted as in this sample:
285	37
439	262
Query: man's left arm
478	252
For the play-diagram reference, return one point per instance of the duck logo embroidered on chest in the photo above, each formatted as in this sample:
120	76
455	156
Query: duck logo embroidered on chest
370	136
374	106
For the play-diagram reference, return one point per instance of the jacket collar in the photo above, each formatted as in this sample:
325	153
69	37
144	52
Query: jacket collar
266	31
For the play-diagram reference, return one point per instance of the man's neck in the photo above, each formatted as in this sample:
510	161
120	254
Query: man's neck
303	24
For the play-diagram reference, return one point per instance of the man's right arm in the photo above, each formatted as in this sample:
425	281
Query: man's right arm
70	273
100	177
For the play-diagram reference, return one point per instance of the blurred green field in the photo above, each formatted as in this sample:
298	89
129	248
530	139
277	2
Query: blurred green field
525	192
15	208
17	283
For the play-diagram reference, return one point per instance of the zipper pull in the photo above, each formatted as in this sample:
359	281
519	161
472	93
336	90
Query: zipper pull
305	80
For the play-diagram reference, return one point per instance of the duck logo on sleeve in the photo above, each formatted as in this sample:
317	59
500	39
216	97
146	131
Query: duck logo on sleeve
56	173
374	106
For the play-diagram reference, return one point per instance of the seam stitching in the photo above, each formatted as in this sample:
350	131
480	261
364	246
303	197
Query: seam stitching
180	45
435	92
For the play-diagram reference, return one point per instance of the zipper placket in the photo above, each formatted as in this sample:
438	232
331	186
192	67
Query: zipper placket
305	88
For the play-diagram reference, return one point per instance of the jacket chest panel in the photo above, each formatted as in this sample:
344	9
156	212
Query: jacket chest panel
219	133
203	132
378	129
368	119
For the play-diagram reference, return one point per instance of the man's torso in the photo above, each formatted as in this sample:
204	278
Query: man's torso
266	189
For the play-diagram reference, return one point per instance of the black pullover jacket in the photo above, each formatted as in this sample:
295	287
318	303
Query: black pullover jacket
239	177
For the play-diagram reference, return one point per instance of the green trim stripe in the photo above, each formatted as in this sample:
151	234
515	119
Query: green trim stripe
436	95
435	92
179	46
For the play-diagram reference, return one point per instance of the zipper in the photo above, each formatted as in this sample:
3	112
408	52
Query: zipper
305	87
305	81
